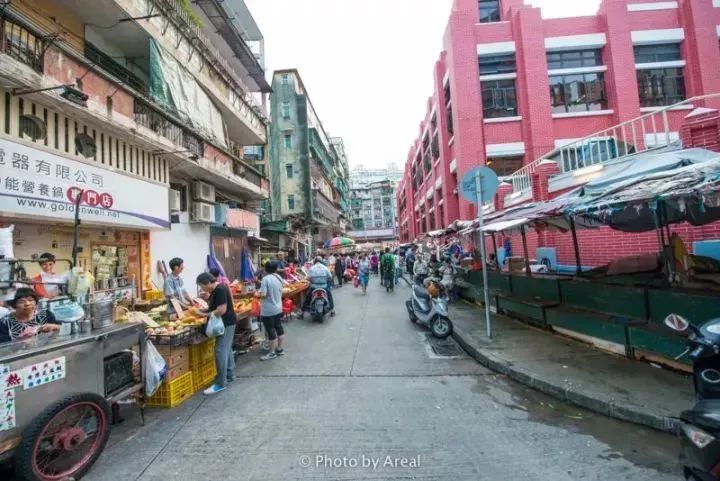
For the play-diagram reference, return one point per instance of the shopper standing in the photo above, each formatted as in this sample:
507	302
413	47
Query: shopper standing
220	304
174	287
271	311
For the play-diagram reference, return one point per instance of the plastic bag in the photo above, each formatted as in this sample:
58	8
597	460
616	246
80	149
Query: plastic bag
255	307
215	326
6	242
356	281
155	369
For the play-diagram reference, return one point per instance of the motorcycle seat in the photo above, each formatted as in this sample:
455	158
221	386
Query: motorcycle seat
421	292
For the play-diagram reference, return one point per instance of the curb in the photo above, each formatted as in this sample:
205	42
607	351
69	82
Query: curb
605	407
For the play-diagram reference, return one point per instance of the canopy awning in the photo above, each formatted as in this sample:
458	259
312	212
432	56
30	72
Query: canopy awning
684	183
505	225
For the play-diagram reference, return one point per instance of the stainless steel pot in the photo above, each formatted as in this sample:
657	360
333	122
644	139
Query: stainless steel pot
102	313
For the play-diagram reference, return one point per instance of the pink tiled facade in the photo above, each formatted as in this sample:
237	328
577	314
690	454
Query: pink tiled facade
531	126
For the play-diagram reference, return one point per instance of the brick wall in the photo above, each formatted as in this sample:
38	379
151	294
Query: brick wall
599	246
702	129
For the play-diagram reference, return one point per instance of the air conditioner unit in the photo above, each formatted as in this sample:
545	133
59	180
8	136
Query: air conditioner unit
203	212
203	191
175	200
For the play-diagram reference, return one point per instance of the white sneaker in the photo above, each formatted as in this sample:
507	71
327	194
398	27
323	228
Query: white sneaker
214	389
269	356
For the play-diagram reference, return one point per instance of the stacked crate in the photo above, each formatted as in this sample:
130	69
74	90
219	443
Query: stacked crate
202	363
178	383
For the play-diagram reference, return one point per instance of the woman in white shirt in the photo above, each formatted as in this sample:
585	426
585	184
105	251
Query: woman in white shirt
47	283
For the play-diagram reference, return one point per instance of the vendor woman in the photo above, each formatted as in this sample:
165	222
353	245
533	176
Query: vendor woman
47	283
26	321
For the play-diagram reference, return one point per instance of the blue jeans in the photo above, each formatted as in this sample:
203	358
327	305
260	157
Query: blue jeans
398	273
224	359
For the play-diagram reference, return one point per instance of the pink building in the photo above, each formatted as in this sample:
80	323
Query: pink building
511	87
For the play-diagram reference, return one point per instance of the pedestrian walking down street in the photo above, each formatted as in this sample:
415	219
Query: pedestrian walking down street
220	304
420	270
410	261
340	269
364	272
374	263
398	270
331	261
271	311
387	270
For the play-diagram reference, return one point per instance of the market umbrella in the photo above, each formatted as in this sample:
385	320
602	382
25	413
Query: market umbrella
338	242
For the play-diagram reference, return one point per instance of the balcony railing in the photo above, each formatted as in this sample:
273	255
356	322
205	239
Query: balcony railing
174	7
644	133
23	45
150	117
107	63
324	208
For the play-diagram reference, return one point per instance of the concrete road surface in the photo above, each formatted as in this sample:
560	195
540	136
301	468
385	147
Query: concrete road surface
364	397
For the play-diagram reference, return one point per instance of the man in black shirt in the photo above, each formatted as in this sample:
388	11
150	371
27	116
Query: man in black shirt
220	304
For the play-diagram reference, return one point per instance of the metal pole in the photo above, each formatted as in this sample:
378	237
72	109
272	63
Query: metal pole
525	251
575	245
76	228
661	239
483	259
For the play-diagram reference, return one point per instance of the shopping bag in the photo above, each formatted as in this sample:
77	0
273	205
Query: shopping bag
215	326
356	281
255	307
155	368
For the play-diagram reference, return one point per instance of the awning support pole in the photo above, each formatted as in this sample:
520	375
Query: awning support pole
495	246
525	250
661	239
578	264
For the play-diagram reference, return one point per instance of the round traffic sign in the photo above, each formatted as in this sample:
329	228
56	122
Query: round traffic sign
489	184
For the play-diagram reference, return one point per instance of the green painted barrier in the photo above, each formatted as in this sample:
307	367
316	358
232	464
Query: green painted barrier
695	307
624	301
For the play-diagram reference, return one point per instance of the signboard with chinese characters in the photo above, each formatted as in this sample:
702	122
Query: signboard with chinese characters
37	183
359	235
7	410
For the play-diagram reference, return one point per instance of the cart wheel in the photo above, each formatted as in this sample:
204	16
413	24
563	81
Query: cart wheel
65	440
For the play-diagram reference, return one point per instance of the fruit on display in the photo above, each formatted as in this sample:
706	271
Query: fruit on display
173	328
295	286
243	305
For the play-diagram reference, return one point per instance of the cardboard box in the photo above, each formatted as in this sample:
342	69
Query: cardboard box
177	370
174	355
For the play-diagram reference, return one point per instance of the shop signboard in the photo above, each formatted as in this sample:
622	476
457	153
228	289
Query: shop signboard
35	183
371	234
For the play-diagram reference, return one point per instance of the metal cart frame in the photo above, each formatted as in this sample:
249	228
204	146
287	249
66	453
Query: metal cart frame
84	356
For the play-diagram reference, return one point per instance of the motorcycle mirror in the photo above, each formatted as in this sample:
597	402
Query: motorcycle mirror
677	323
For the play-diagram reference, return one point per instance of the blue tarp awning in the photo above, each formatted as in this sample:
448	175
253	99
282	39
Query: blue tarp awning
684	183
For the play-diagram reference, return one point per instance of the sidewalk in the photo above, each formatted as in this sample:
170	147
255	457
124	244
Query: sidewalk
574	372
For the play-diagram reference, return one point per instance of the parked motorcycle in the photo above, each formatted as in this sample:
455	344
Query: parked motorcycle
700	427
429	307
319	304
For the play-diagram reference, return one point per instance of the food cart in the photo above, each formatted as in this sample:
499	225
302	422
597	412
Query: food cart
57	392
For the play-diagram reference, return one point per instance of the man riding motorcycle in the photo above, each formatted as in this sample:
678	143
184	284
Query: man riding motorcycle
321	278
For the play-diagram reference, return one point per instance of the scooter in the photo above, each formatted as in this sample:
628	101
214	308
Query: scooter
431	312
319	304
700	427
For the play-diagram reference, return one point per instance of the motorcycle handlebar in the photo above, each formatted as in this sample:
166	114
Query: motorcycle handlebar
697	352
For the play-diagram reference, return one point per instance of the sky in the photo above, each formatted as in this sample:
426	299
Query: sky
367	64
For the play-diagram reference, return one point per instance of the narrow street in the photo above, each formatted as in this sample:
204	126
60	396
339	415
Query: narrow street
366	386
